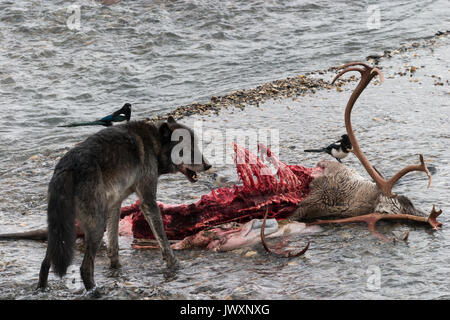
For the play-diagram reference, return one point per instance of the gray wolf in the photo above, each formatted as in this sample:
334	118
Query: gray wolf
91	181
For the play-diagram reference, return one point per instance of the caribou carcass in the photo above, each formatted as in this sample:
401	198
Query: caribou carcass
341	191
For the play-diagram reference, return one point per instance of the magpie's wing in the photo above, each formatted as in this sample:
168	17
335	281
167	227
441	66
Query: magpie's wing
118	112
119	118
331	147
107	118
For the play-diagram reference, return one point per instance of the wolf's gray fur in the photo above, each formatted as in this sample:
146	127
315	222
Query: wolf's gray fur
91	181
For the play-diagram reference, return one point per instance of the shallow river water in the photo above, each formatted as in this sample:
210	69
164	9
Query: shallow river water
159	56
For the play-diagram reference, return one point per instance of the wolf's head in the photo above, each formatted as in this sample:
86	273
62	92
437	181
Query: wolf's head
180	151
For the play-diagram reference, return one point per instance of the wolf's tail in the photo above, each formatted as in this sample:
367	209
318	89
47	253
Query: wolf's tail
315	150
61	222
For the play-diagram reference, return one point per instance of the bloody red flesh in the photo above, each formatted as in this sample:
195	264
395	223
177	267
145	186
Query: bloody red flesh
280	193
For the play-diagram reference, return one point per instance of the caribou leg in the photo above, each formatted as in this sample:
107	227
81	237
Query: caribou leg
372	218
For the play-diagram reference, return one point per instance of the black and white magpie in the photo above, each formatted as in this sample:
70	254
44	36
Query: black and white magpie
122	114
339	150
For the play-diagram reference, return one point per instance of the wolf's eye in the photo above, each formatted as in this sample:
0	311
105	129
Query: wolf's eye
181	152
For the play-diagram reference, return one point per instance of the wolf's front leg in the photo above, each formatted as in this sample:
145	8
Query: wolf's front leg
112	228
153	216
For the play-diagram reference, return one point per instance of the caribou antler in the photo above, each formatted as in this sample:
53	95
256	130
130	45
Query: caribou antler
278	251
372	218
367	73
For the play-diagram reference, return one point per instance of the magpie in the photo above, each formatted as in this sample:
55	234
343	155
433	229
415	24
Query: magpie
122	114
339	150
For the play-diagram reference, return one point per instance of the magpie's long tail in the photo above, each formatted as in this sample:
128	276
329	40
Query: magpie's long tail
79	124
316	150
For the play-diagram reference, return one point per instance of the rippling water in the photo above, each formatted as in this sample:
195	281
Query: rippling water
158	55
162	54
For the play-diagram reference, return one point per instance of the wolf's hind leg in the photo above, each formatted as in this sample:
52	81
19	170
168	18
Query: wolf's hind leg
43	274
112	228
93	235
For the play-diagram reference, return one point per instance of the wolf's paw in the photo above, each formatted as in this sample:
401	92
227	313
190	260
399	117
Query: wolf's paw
173	264
93	293
170	273
115	265
40	289
114	272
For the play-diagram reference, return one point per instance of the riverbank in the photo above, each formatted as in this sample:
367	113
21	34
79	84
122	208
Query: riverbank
294	87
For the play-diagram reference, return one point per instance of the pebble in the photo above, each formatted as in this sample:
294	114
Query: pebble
284	88
250	254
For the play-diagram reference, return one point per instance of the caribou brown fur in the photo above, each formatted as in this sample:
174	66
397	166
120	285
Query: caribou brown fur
342	192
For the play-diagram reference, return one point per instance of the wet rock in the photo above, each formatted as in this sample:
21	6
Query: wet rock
285	88
442	33
250	254
34	158
375	58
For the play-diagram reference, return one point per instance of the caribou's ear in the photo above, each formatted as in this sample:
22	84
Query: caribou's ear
171	119
165	132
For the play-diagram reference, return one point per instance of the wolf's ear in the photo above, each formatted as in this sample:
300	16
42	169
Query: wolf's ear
171	119
165	132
